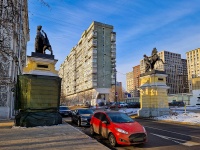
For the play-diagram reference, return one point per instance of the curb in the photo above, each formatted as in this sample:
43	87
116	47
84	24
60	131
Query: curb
4	124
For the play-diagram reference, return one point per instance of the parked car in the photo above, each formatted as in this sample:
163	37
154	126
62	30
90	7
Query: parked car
118	127
82	116
123	104
133	105
177	103
64	111
115	104
118	105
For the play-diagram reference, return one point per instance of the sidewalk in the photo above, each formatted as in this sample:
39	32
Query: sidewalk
63	136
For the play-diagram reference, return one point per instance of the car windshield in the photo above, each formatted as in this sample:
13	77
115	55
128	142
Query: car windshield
64	108
86	111
120	118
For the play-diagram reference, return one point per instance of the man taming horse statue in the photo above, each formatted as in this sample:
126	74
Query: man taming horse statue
150	61
42	42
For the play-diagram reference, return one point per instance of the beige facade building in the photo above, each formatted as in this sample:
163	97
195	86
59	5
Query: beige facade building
129	82
193	65
175	69
136	80
89	71
14	35
195	98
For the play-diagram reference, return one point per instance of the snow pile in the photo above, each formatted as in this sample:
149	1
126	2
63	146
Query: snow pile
130	111
190	114
179	116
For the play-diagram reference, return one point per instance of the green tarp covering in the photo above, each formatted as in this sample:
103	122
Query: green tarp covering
37	92
39	118
37	100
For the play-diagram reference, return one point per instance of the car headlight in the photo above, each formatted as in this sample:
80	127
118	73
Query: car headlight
144	129
121	131
84	119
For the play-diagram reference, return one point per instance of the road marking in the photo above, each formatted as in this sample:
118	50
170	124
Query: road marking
173	132
179	141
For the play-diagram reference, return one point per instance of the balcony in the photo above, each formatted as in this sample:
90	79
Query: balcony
94	79
93	34
94	57
113	71
113	37
113	65
94	64
113	56
94	70
113	81
113	50
113	46
92	43
113	61
94	51
94	84
113	76
113	53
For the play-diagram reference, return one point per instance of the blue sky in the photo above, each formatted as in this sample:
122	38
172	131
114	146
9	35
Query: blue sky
140	25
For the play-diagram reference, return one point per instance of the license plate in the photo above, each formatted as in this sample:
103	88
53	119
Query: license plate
138	139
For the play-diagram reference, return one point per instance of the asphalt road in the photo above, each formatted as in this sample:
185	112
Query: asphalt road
161	136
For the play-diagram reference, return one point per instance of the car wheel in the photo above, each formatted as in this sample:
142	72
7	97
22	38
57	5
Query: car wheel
79	122
92	130
112	140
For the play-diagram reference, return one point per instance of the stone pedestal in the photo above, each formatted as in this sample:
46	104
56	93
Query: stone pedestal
153	94
38	92
41	64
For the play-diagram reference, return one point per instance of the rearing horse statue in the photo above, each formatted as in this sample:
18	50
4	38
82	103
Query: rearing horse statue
150	61
42	42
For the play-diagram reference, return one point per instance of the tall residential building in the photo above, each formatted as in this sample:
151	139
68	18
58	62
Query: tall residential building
14	35
136	80
129	82
89	71
175	69
193	65
185	77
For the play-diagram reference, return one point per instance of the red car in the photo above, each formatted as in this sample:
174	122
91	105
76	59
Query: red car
118	127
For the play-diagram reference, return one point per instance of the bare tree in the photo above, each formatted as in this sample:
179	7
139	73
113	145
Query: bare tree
112	94
44	3
14	34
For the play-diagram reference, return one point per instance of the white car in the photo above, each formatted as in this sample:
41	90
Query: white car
123	104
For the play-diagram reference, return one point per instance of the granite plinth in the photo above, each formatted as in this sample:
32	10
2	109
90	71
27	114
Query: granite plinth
33	54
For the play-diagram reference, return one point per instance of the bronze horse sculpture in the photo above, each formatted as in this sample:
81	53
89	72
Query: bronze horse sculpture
42	42
151	61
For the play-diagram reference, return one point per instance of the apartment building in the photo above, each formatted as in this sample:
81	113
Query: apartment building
14	35
193	65
89	71
185	76
195	98
129	82
175	69
136	80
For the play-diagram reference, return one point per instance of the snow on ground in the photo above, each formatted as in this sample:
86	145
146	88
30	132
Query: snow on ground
179	116
190	114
